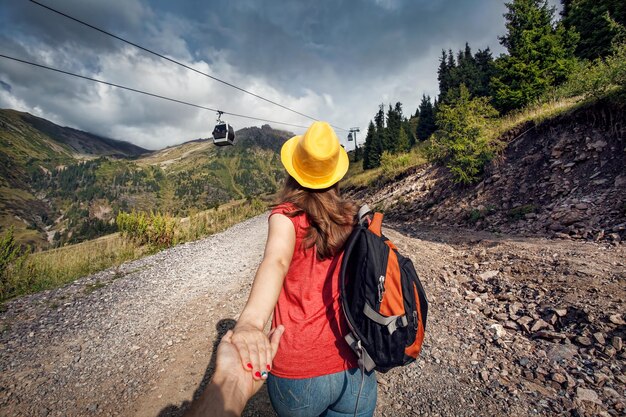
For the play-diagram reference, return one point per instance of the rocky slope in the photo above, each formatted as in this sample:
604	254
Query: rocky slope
563	178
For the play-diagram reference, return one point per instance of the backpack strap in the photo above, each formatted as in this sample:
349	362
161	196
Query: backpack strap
364	211
365	360
391	323
376	226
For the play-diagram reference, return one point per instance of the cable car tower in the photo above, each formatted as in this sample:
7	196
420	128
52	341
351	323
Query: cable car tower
352	137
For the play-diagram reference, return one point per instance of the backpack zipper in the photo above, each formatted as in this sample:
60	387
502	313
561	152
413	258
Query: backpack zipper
381	288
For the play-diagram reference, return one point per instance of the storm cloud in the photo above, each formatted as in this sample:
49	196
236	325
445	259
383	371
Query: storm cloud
334	60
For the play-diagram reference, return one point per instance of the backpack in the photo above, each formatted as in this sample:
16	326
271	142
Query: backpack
382	298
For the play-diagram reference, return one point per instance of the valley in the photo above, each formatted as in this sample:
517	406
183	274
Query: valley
63	186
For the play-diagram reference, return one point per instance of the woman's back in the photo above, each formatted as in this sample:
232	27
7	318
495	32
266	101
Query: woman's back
308	306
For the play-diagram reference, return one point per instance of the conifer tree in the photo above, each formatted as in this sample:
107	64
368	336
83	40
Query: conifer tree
426	123
443	75
403	141
367	147
410	126
486	70
467	70
374	140
379	118
377	148
540	54
461	141
394	123
599	24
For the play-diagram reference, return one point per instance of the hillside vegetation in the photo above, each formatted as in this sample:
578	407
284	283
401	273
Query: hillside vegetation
62	186
550	66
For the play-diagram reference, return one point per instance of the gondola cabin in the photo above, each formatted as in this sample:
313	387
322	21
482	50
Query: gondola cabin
223	134
350	137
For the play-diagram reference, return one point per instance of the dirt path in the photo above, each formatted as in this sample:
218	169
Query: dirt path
139	340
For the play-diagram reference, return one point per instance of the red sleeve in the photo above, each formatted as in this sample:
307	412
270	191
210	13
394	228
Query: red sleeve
286	208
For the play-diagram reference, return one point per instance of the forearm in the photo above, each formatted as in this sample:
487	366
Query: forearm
264	294
221	398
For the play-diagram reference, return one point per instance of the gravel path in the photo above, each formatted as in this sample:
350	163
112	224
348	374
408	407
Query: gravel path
138	340
100	343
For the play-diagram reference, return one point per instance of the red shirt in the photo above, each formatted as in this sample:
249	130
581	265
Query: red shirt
309	308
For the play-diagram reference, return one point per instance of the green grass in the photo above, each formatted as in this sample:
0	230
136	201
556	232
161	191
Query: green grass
358	178
57	267
536	113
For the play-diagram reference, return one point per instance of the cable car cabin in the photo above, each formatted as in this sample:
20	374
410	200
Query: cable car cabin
223	134
350	137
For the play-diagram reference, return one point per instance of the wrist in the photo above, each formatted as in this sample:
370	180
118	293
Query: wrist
248	323
231	391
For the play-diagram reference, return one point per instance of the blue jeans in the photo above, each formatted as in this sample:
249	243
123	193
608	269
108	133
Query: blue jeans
331	395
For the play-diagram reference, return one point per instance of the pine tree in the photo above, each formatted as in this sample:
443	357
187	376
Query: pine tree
486	70
410	126
376	149
540	55
378	138
368	146
426	123
403	141
379	118
394	123
599	24
444	75
461	141
467	71
474	71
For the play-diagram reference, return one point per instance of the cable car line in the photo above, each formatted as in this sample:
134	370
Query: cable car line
147	93
175	61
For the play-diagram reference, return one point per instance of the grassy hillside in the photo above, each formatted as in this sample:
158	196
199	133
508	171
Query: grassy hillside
60	185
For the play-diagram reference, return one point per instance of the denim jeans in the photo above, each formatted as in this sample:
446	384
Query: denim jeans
328	395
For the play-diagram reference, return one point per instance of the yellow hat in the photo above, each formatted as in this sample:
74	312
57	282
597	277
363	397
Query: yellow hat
315	159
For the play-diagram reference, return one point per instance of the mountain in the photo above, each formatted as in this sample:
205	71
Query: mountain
61	185
23	135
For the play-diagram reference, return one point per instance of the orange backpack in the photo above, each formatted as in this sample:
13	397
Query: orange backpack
382	298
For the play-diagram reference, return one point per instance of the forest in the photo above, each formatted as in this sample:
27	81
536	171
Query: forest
579	53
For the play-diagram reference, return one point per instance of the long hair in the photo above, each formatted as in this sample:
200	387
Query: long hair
331	218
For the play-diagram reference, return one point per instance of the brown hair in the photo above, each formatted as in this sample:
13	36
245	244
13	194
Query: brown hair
331	218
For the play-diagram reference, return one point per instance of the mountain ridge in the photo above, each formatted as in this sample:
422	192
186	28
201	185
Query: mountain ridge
82	143
62	185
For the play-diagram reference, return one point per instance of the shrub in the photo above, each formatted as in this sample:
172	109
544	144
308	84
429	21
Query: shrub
390	163
462	141
474	216
10	258
595	79
153	229
518	213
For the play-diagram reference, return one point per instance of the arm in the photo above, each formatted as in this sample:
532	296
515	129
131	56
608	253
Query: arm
252	344
231	386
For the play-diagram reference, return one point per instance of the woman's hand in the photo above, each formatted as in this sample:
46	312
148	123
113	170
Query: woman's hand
231	387
254	349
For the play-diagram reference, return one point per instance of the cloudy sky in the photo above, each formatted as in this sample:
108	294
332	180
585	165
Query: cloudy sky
335	60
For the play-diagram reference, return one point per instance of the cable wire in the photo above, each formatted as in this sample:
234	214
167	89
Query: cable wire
147	93
175	61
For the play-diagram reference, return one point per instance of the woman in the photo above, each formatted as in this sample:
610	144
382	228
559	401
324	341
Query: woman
314	372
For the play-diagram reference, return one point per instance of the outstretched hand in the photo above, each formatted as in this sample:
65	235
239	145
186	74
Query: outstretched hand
254	349
229	361
231	386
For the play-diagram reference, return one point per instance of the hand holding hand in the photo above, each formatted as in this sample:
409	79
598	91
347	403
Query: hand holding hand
255	350
228	362
231	386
